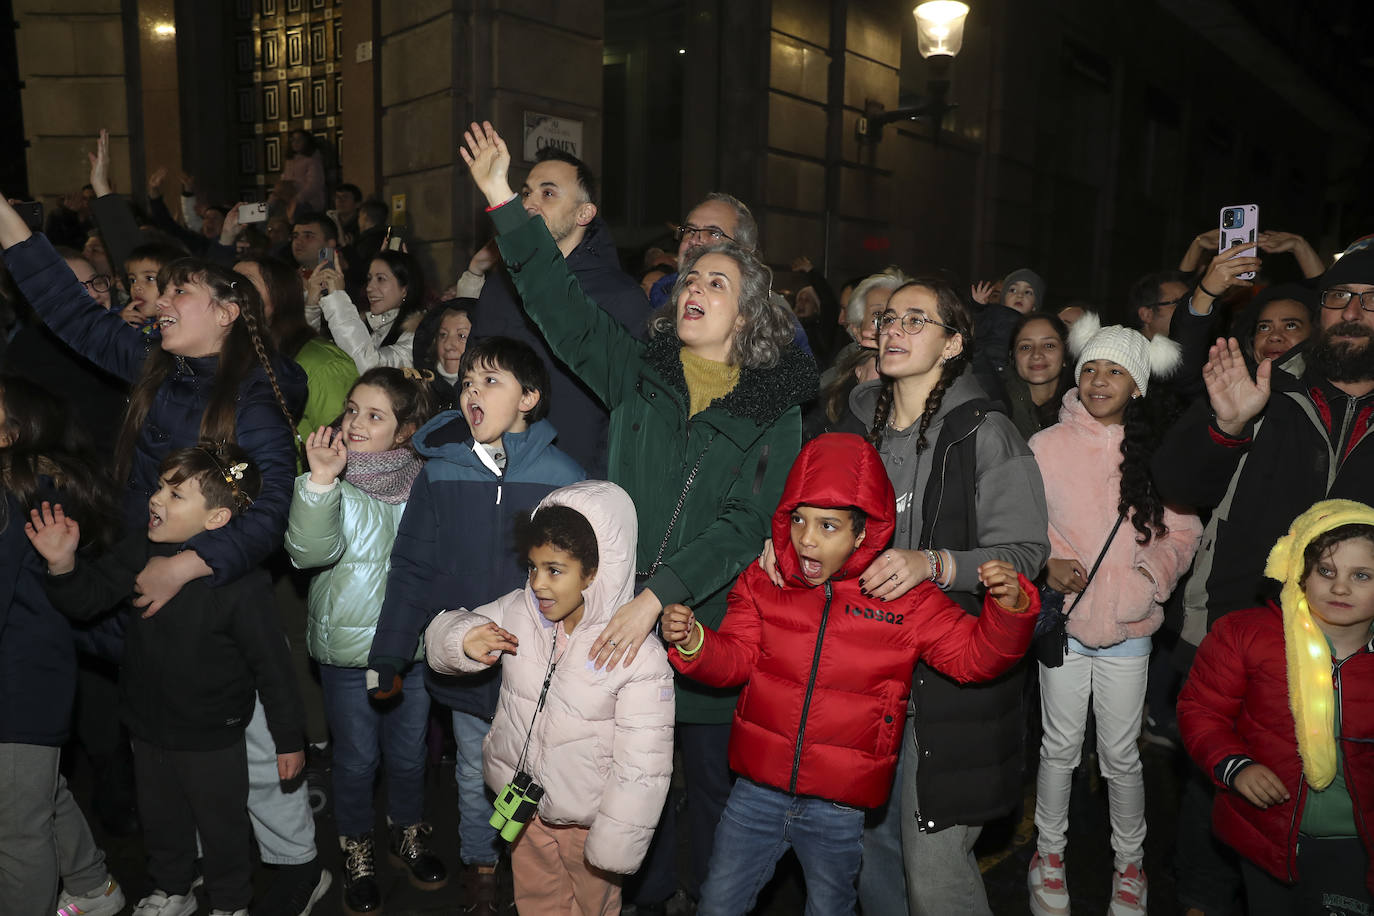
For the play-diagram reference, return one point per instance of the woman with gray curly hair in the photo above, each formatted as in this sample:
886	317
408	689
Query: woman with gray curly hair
705	424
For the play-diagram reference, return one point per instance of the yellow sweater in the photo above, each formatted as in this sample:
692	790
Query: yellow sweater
707	380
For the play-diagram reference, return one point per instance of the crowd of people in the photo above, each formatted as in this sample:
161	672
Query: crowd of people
693	573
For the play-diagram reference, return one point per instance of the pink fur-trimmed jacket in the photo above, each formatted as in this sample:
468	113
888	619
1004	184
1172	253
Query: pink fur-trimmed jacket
1080	462
602	746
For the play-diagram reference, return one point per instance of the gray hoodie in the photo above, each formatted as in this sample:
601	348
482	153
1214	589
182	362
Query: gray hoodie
1013	522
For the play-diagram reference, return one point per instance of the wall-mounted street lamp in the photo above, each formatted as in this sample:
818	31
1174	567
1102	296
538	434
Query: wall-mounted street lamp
939	37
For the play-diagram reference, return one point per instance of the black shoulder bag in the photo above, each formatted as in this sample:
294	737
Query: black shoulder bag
1051	641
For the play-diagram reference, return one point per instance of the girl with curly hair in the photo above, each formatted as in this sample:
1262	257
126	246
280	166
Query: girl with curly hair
1095	464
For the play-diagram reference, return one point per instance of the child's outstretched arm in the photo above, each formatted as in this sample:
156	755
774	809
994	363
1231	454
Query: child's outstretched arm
314	533
681	628
485	644
466	642
969	648
733	649
54	536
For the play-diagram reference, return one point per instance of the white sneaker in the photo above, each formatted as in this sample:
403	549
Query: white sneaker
1129	889
1049	890
107	900
159	903
228	913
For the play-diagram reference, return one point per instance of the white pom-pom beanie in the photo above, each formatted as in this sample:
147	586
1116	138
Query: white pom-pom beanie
1128	348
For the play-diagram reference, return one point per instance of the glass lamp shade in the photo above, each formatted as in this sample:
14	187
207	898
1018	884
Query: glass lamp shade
940	27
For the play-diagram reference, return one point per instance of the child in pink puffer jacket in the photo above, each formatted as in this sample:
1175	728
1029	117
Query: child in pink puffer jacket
1095	460
599	742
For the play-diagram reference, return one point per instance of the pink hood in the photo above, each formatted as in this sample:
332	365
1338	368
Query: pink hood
1080	461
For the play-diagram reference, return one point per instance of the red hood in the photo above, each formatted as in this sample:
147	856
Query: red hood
834	471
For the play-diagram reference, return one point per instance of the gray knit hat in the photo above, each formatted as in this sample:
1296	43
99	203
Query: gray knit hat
1126	347
1037	284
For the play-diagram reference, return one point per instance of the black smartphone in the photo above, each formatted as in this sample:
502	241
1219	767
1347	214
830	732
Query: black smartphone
32	212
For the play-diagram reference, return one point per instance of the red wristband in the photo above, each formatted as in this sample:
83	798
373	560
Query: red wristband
502	203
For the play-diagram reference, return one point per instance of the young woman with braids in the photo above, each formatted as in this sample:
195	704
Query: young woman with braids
1096	467
212	376
968	491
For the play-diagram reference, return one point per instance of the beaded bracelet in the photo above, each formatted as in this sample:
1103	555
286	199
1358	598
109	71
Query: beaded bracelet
933	559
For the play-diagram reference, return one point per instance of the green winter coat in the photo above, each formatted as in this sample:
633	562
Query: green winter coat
349	534
331	374
744	442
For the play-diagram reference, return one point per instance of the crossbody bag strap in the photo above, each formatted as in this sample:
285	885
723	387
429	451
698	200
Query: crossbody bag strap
677	510
1111	537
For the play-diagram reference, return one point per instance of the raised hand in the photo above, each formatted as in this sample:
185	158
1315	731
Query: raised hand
100	164
326	454
155	181
188	182
486	643
54	536
999	578
802	265
982	292
485	258
489	162
325	279
1236	398
1292	243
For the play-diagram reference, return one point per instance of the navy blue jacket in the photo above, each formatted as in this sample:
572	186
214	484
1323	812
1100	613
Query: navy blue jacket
37	657
455	546
582	420
174	418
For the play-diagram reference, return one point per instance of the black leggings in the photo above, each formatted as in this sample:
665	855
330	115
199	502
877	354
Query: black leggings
1332	875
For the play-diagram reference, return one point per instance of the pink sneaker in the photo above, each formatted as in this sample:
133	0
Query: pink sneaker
1129	889
1049	891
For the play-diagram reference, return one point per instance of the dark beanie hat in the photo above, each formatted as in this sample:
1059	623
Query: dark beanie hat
1354	267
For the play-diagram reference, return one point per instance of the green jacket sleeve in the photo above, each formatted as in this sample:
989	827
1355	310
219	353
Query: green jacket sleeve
713	559
579	332
314	536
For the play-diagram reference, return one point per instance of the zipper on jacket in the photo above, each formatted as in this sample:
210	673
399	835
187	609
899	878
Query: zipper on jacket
1360	826
810	687
944	464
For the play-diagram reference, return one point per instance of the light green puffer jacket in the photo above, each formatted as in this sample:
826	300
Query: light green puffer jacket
349	534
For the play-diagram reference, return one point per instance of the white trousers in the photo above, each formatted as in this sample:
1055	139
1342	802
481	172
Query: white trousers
1116	687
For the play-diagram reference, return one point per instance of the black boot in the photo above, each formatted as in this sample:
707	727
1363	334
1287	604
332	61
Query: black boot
360	891
410	850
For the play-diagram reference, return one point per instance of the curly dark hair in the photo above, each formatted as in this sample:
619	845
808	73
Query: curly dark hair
564	528
1145	420
953	312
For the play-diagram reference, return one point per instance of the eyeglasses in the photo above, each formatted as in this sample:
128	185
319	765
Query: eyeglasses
1337	299
701	233
1179	301
97	284
911	324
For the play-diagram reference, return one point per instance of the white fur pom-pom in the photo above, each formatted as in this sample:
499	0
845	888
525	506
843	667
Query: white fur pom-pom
1165	356
1082	331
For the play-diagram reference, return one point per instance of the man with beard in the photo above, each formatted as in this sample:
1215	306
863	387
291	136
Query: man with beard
560	189
1258	452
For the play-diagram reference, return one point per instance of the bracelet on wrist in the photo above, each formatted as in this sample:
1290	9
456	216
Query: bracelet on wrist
701	641
1205	291
933	561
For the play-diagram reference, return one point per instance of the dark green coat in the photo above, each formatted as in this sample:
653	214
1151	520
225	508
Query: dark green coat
745	441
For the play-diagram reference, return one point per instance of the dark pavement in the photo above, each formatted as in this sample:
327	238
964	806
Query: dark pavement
1005	850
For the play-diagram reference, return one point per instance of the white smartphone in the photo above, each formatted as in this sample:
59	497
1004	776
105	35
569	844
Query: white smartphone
253	213
1239	227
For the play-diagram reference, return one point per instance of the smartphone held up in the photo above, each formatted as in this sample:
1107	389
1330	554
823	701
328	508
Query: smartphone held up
1238	227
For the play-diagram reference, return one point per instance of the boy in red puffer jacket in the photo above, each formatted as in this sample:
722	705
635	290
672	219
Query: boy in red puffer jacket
828	671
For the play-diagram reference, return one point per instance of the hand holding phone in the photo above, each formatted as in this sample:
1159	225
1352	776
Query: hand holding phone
252	213
1239	228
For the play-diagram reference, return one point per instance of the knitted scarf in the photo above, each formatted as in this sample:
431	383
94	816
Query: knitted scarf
384	475
1311	693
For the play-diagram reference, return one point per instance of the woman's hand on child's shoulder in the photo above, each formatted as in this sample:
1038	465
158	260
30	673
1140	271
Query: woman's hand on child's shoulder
486	643
999	578
326	454
54	536
676	623
1259	785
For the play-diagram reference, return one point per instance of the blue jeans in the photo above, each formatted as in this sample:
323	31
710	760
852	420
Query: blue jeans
760	823
364	732
478	841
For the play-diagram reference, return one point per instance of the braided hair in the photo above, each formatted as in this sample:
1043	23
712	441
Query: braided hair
953	312
244	348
